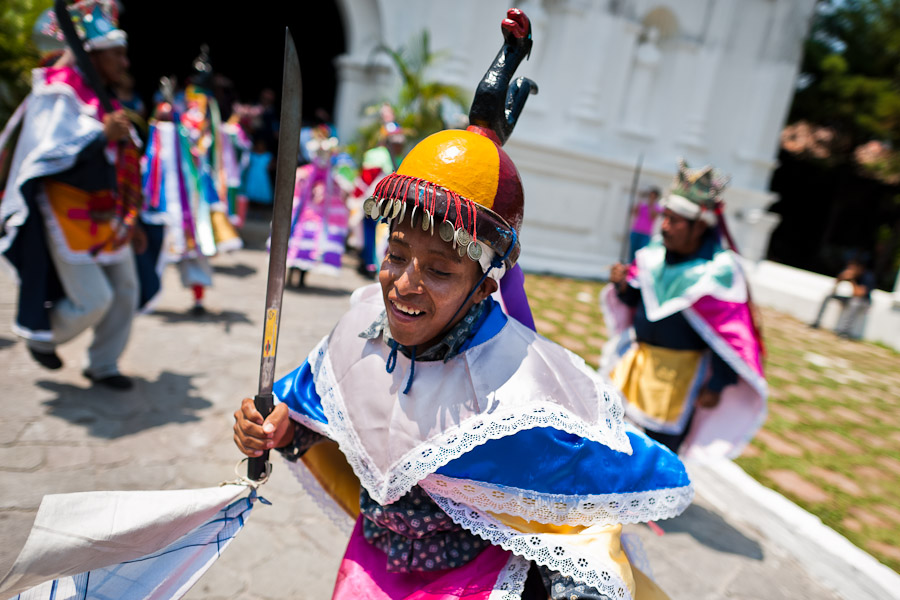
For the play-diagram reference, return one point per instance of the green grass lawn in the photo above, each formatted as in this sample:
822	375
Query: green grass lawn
834	417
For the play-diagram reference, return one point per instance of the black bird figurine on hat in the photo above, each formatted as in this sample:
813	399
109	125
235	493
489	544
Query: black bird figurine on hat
497	103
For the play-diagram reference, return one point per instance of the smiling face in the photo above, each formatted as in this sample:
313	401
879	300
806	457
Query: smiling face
681	235
424	281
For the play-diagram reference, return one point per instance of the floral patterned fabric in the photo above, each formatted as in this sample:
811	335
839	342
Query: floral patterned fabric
416	535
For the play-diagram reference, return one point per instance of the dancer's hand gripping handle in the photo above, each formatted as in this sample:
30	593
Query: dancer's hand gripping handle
255	434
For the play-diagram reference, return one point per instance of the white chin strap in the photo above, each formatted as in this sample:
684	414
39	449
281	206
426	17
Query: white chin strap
487	257
689	210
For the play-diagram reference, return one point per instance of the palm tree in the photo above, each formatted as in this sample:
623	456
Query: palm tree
420	103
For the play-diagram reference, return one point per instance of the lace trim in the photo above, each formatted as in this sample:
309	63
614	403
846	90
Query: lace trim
432	454
347	439
320	497
317	426
562	509
614	435
544	549
511	582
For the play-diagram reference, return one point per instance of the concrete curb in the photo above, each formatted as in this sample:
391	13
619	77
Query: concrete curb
825	554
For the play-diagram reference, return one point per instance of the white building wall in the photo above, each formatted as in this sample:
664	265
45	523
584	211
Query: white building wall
715	88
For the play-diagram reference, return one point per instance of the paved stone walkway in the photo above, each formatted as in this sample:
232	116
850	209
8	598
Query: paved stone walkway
832	440
173	431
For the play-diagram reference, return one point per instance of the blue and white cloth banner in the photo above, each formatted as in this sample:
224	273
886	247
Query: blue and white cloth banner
126	545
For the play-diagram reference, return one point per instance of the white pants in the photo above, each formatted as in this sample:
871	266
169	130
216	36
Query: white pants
102	296
851	317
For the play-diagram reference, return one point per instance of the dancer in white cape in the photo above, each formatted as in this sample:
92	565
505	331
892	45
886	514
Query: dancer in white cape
474	458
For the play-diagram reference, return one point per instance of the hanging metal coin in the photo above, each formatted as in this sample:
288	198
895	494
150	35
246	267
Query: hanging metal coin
431	223
397	205
368	205
402	212
446	231
463	237
461	250
425	216
412	216
378	209
474	250
388	209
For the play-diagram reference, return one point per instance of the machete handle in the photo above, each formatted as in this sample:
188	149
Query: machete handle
258	466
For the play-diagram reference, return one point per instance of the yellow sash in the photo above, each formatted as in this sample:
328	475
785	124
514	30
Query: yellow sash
73	210
657	380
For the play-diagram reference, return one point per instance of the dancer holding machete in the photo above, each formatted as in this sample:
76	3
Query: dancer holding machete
420	415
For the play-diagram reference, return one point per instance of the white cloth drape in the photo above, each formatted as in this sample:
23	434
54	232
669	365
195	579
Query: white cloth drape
126	545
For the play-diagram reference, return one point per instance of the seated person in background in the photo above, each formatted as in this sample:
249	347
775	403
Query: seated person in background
853	289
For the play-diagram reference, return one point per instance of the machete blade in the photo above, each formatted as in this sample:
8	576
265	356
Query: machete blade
285	177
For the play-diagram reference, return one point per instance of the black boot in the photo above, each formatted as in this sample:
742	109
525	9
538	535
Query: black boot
48	360
115	382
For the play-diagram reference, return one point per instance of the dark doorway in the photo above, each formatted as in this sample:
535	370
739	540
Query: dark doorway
246	44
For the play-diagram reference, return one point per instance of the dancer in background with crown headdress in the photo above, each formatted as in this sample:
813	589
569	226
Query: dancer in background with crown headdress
688	355
72	198
478	459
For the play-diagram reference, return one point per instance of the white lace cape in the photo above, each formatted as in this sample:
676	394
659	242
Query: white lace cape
469	503
562	509
515	381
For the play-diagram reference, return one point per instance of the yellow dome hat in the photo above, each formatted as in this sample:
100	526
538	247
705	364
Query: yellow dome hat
461	182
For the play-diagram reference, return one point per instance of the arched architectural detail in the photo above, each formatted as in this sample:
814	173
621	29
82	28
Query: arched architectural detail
591	57
362	73
362	25
642	82
652	61
663	20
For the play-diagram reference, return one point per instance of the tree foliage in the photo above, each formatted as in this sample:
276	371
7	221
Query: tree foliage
18	54
839	178
850	81
420	103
